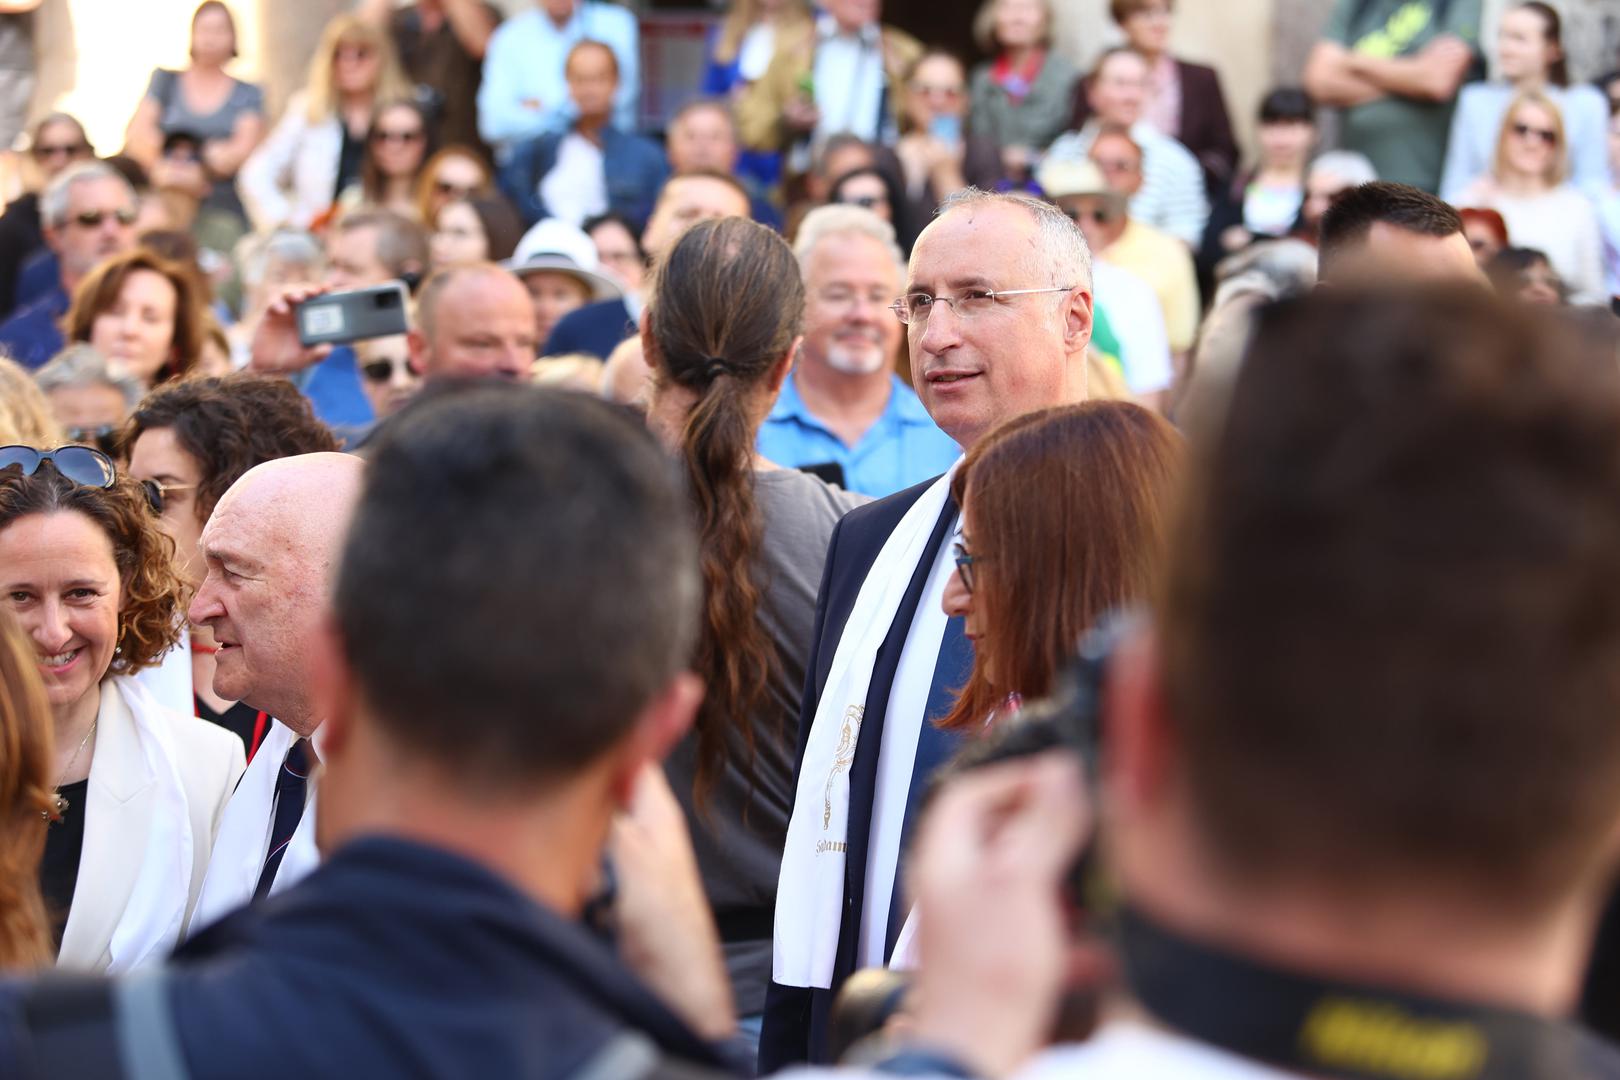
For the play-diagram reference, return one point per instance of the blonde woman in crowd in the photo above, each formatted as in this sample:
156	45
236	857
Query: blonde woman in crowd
316	150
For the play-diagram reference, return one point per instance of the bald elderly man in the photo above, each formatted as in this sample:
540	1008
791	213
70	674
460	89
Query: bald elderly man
473	322
271	548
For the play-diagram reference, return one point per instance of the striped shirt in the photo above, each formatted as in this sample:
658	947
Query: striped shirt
1172	195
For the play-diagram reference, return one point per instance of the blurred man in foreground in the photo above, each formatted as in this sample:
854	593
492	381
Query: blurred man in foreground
1361	777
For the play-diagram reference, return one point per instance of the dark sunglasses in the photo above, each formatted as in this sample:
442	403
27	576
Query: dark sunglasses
866	202
352	52
62	150
964	565
80	464
92	219
383	370
444	187
103	438
1548	136
157	492
1100	217
396	136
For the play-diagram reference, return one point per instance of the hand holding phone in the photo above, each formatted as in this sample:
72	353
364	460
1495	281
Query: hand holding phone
338	318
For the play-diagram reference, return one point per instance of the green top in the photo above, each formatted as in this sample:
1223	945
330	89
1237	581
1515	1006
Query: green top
1405	139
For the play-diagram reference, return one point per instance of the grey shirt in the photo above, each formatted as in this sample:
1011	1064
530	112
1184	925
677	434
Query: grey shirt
739	837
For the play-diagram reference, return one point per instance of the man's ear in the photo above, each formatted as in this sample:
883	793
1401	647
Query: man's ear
1077	319
416	345
53	239
1137	740
660	725
332	690
784	367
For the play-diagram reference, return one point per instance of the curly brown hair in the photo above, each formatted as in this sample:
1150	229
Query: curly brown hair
149	613
229	424
100	289
25	798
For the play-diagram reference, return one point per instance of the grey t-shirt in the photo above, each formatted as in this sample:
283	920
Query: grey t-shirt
740	836
17	42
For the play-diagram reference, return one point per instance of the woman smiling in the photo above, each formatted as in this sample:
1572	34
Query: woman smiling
87	575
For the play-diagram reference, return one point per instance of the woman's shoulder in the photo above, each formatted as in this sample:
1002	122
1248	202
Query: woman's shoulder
803	499
196	745
246	96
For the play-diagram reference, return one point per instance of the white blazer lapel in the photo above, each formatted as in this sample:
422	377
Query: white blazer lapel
118	808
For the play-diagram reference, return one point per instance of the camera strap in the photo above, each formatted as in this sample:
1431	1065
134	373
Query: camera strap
1326	1028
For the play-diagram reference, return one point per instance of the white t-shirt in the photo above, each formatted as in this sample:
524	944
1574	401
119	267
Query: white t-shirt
1137	319
576	186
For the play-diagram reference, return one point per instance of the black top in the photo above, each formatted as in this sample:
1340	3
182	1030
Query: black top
349	160
239	720
59	869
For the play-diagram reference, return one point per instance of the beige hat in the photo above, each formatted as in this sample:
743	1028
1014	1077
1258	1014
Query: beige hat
1063	178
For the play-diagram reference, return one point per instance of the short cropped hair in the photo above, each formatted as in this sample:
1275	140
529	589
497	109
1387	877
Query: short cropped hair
1355	211
229	424
508	604
83	364
841	219
1062	244
1391	631
53	201
402	244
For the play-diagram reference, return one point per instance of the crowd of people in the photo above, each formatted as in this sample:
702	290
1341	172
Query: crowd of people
918	568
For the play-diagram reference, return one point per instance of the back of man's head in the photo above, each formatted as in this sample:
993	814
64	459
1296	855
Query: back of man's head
520	582
1391	632
1382	231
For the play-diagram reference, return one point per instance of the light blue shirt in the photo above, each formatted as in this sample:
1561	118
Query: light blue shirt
524	62
903	448
1609	221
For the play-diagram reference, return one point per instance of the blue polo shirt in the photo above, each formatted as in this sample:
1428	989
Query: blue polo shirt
903	448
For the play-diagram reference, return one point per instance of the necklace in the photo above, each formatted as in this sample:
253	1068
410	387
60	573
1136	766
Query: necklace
59	805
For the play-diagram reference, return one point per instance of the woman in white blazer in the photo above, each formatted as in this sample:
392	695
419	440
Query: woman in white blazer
315	152
89	577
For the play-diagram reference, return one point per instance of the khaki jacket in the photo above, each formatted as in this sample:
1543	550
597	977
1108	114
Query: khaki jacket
759	110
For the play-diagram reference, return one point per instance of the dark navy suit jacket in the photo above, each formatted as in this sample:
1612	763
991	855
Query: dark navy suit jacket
795	1022
595	328
392	959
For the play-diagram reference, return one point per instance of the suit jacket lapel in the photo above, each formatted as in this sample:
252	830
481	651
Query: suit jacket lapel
117	809
863	771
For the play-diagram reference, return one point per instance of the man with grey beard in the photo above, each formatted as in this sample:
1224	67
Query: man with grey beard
844	413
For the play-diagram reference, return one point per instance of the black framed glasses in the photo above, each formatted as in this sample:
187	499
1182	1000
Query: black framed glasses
81	464
964	564
157	492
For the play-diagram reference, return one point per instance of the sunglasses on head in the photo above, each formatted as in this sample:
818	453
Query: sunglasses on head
1547	135
92	219
81	464
382	370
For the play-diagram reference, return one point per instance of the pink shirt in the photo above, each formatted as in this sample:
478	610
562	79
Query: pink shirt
1163	108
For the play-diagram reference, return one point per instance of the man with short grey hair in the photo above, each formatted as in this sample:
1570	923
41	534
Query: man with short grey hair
844	413
89	216
997	306
90	400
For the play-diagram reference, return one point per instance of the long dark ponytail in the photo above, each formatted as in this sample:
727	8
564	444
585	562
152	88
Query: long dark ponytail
727	304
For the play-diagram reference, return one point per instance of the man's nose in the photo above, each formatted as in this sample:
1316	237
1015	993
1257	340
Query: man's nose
941	329
205	605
